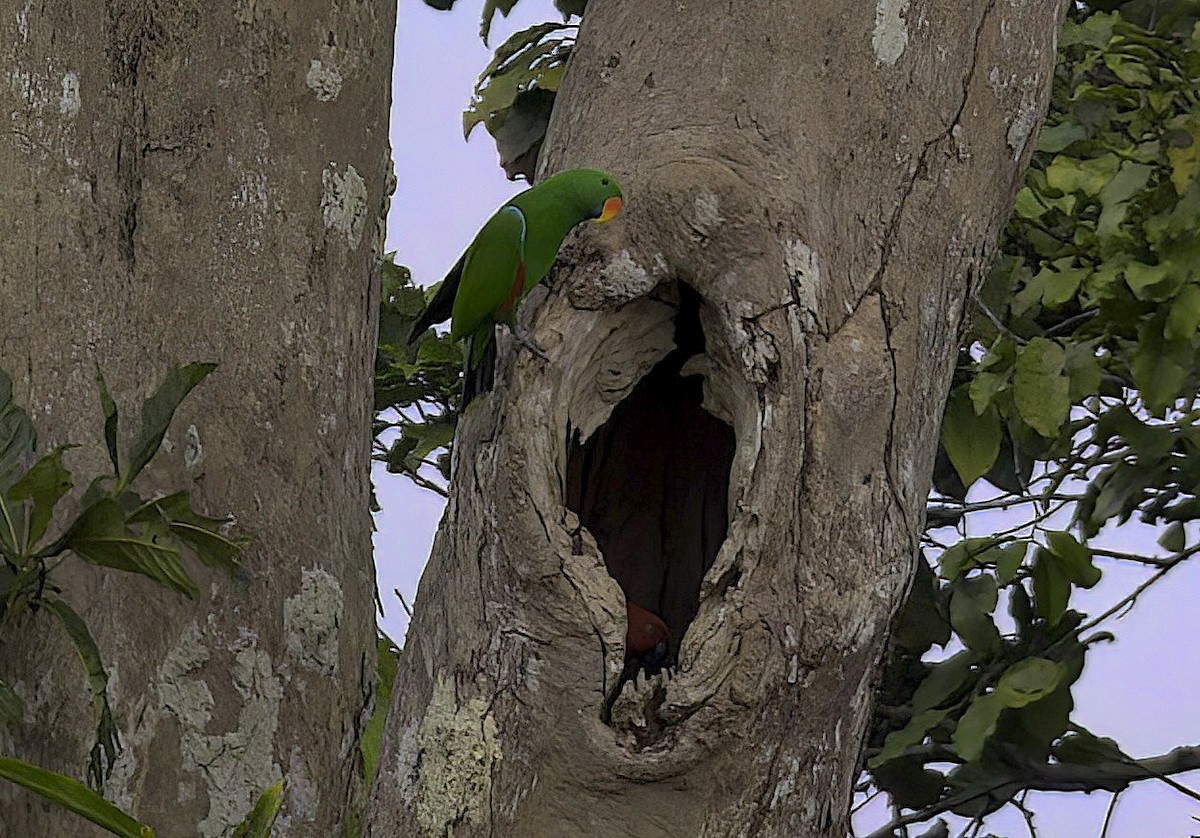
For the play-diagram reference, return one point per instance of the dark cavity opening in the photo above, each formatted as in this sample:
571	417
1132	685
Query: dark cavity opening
652	484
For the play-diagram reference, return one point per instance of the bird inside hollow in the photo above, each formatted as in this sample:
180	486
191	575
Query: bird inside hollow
647	640
511	254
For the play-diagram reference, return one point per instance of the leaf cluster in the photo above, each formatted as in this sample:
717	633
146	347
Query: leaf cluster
417	388
113	527
1074	404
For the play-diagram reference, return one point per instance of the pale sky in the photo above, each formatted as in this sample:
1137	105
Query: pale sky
1141	690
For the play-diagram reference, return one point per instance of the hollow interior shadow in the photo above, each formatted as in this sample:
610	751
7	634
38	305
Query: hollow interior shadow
652	483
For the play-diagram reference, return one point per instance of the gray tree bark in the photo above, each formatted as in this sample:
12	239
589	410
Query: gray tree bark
204	182
829	179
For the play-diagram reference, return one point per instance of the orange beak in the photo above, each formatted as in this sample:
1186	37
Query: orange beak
612	208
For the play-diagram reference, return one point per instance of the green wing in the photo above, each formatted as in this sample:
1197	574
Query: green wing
493	274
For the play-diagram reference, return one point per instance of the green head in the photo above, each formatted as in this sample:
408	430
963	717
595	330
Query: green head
590	192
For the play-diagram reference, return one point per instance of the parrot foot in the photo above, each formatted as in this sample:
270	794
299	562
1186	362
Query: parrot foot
525	339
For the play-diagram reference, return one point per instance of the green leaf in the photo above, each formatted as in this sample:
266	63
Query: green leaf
1051	587
1075	558
1040	390
985	386
108	743
17	437
1070	174
908	783
158	410
1144	280
261	820
945	679
44	485
913	733
972	440
1082	747
961	557
976	726
490	7
101	537
1054	138
1184	319
1008	560
1174	537
11	708
1160	367
73	796
201	533
1059	286
387	659
110	421
1028	680
972	601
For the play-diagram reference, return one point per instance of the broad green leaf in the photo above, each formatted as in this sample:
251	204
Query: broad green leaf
976	726
1128	182
1008	560
908	783
1051	587
17	437
1070	174
913	733
1185	158
261	819
1173	538
108	744
201	533
157	411
11	707
1082	747
944	680
1144	280
1060	286
972	601
1055	138
1028	680
44	486
985	386
101	537
111	421
1040	390
490	7
963	556
1075	558
1184	319
1083	368
972	440
73	796
1160	367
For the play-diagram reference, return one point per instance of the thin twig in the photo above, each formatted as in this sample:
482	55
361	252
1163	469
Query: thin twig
1112	807
403	603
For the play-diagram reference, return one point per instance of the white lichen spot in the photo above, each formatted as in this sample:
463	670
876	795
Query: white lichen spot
344	202
706	214
23	22
327	424
246	12
623	278
804	272
193	451
311	621
891	31
325	82
1021	128
234	765
70	103
459	748
786	784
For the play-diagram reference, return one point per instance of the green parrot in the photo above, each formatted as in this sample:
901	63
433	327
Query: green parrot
508	257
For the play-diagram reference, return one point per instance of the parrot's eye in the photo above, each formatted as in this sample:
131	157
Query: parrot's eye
604	181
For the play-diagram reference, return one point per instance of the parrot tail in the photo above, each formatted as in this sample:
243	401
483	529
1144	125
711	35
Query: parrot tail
479	372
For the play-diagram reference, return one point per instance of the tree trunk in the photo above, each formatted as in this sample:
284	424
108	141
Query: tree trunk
180	185
735	429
